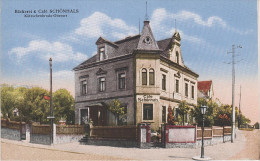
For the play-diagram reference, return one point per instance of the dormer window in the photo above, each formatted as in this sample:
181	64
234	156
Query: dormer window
177	57
102	55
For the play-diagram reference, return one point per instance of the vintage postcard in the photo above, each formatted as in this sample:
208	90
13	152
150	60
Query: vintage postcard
129	80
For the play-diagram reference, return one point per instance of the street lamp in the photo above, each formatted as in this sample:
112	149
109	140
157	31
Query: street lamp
51	117
203	110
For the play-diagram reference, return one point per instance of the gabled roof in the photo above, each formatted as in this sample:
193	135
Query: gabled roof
204	86
102	40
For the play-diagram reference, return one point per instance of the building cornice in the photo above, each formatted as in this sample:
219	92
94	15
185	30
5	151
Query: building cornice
178	66
124	57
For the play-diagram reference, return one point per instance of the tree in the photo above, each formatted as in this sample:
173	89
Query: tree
63	106
210	113
7	101
170	119
183	110
117	109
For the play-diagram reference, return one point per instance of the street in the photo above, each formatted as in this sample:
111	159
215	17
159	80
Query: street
245	147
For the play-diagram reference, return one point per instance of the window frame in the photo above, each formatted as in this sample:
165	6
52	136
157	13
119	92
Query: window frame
192	91
83	92
177	57
177	90
186	92
101	84
164	114
149	118
164	82
151	79
144	71
101	51
121	78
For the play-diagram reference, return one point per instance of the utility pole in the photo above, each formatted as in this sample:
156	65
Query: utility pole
239	113
233	93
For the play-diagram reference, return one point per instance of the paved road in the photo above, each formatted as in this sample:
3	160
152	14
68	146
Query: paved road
246	146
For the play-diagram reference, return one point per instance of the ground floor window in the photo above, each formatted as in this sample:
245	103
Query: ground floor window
148	112
84	118
164	114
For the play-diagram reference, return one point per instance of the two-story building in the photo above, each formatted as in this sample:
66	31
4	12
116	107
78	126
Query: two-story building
145	75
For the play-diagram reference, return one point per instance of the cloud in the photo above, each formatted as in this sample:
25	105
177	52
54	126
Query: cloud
61	52
99	24
160	16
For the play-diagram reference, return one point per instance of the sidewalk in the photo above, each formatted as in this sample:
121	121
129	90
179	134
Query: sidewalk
222	151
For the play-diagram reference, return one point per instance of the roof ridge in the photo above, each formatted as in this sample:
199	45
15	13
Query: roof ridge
126	38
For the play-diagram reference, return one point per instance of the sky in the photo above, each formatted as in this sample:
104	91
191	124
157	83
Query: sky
208	30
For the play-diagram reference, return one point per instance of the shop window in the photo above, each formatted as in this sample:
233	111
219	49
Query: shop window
151	77
148	112
102	84
144	77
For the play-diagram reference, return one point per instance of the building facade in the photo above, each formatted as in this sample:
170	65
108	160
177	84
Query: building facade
205	89
145	75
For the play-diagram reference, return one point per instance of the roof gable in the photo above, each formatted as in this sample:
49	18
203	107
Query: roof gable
147	41
204	86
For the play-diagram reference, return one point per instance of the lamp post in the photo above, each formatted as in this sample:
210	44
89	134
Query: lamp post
51	117
203	110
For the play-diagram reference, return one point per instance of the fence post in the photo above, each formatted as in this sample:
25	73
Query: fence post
223	134
54	134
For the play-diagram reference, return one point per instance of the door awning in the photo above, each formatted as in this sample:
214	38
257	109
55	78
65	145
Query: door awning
99	104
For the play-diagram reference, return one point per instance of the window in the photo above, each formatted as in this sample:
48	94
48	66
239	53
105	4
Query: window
102	82
144	77
186	89
151	77
102	55
84	87
177	57
163	82
148	112
177	86
121	81
192	91
164	114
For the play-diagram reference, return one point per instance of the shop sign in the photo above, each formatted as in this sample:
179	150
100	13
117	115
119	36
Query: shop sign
147	98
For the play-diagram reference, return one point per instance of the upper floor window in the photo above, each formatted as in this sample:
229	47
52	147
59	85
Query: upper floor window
177	86
83	87
144	77
121	80
186	89
102	55
164	114
192	91
151	77
177	57
163	82
102	84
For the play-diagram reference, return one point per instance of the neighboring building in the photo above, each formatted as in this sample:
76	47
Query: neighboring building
145	75
205	89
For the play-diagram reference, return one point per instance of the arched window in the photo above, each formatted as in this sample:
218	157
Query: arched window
144	77
151	77
177	57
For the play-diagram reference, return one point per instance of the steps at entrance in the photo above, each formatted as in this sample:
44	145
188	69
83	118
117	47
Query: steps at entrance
83	140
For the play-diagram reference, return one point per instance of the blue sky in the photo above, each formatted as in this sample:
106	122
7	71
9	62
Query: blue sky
208	30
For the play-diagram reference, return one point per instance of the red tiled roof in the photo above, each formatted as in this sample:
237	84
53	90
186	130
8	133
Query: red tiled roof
204	86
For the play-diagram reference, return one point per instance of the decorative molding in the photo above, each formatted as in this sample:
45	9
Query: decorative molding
192	82
121	69
177	74
101	71
185	79
164	70
83	76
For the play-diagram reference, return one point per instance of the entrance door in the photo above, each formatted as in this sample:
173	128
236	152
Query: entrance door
98	116
84	116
